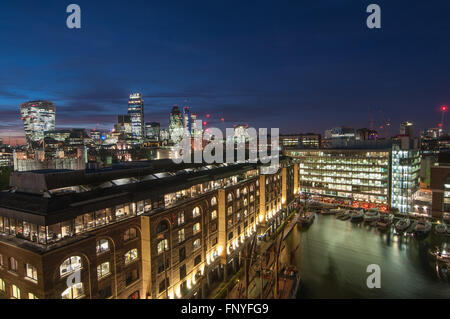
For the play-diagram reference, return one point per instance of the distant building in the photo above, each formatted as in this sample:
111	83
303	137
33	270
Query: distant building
152	130
6	159
136	113
365	134
407	128
308	140
37	117
405	173
176	125
124	126
341	136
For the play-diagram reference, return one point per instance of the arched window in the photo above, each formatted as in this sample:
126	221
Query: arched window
238	193
230	198
245	202
252	188
129	234
74	292
131	256
163	245
214	201
213	214
162	226
70	265
245	213
244	191
102	246
195	212
230	210
251	198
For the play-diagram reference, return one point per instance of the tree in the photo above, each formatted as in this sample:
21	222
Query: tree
5	172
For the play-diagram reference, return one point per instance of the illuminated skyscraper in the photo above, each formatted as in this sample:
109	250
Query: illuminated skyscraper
136	113
176	125
38	117
187	124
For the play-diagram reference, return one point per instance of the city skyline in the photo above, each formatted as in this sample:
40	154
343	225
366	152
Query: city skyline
264	68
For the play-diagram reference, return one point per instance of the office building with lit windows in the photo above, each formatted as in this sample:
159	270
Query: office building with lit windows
136	113
405	173
38	117
140	230
352	177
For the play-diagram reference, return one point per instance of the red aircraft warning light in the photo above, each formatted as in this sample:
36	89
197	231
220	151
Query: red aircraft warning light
444	108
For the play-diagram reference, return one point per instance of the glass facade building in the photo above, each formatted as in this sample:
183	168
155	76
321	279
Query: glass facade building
405	177
357	178
136	113
37	117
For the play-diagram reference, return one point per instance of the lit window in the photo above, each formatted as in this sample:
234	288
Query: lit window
213	201
181	236
32	296
70	265
196	228
131	256
13	264
197	244
15	292
180	218
74	292
230	197
31	272
213	214
102	246
196	212
103	270
163	245
2	285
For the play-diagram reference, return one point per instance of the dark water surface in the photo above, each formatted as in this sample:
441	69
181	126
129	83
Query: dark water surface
333	255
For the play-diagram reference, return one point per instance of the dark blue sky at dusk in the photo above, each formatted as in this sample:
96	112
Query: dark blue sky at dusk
301	66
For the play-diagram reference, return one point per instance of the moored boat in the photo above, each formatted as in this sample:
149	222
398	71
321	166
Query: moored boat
345	215
372	215
442	229
288	283
306	218
403	224
385	220
423	227
357	216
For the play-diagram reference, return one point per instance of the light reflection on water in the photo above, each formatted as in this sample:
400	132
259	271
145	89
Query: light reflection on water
332	256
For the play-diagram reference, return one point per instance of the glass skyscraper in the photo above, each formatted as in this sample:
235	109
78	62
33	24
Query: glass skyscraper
136	113
38	117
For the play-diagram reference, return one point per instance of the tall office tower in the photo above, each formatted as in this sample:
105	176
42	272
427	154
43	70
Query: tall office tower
194	124
405	173
407	128
187	124
152	130
38	117
176	125
136	113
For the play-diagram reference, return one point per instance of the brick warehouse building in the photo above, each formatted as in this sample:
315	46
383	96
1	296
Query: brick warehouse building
138	230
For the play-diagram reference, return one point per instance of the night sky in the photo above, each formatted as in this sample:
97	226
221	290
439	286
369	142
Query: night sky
302	66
